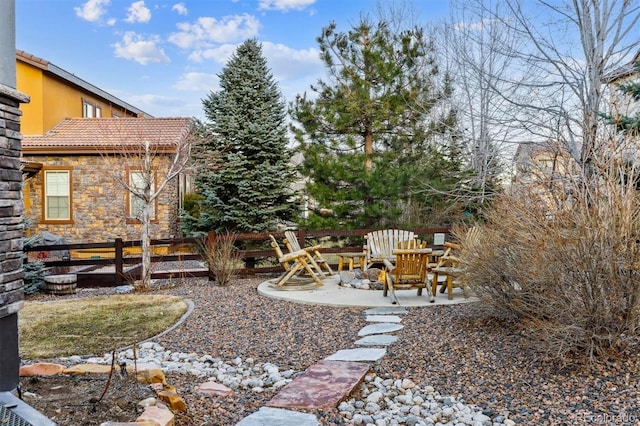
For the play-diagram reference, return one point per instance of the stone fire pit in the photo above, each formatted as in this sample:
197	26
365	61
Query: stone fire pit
367	280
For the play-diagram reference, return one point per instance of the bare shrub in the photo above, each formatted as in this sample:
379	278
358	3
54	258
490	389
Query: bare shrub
221	256
563	257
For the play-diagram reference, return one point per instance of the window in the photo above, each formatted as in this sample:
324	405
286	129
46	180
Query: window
90	110
138	182
57	195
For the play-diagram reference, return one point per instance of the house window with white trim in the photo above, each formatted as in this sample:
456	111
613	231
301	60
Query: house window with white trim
57	195
91	110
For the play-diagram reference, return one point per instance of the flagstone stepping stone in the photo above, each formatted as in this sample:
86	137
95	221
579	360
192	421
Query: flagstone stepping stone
358	354
322	386
376	340
383	318
41	369
82	369
277	416
386	310
379	329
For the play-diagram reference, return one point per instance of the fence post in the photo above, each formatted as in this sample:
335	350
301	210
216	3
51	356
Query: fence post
302	237
119	261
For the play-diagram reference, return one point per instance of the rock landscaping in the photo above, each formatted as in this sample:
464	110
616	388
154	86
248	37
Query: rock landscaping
450	365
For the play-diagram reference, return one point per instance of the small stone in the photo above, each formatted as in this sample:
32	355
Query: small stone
407	384
374	397
147	402
174	400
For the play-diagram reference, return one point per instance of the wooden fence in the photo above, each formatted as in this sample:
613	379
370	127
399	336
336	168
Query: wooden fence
118	267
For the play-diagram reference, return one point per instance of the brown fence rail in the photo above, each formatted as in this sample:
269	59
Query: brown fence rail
118	267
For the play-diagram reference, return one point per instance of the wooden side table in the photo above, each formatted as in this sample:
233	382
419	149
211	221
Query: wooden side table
351	259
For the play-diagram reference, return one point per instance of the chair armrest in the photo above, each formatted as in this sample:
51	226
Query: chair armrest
390	266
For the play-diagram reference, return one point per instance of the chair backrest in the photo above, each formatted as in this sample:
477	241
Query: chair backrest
276	246
411	264
380	244
292	241
412	244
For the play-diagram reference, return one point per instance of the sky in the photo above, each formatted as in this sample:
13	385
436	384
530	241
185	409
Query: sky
163	56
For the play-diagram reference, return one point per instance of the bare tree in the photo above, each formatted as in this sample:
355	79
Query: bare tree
560	71
472	47
150	159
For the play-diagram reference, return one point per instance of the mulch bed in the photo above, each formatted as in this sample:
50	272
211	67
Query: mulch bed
455	349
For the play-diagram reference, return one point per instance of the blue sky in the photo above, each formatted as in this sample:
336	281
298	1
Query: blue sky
163	56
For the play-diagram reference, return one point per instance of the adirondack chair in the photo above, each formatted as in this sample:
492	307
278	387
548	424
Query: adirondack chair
295	263
291	241
380	245
409	270
449	266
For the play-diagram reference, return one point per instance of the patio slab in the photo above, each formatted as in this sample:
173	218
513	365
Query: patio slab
358	354
377	340
379	328
323	385
332	294
278	416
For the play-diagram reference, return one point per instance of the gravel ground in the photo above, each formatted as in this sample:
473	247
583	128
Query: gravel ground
452	348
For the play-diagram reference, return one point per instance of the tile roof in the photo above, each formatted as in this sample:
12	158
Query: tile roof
98	135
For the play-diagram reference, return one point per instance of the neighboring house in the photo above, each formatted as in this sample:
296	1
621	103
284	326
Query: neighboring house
78	193
620	103
73	133
537	162
57	94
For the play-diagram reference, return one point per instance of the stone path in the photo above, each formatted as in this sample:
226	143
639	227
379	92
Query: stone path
327	382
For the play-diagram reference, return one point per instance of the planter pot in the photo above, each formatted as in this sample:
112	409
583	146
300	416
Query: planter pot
60	284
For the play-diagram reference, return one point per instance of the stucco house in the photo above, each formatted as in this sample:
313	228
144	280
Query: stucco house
77	148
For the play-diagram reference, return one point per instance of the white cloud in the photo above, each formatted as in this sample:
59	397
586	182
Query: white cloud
285	5
198	82
218	54
138	12
135	47
92	10
111	22
291	64
180	8
294	70
210	30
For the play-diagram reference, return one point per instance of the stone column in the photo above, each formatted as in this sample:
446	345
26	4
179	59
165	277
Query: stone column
11	208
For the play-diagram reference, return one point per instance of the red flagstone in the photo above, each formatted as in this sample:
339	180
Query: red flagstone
322	386
41	369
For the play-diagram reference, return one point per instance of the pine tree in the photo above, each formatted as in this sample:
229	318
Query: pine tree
378	129
244	175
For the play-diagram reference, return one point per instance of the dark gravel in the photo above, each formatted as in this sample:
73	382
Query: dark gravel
455	349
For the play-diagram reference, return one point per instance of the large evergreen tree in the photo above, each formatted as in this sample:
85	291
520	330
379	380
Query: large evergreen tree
378	128
244	177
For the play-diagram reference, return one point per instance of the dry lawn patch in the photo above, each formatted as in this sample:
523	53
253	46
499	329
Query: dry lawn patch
94	325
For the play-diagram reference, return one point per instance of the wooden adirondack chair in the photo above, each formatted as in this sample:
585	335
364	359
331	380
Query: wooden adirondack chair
449	266
409	270
291	241
380	245
294	264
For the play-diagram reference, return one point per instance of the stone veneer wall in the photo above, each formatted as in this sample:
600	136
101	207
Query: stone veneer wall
99	201
11	235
